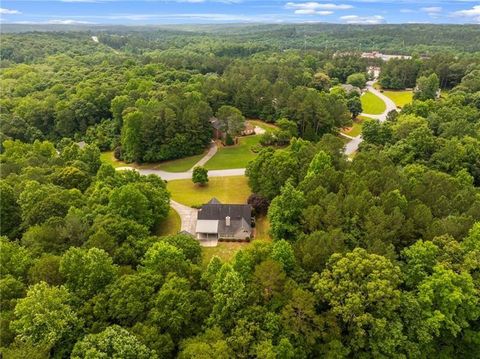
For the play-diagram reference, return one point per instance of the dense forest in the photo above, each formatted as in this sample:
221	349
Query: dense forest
373	256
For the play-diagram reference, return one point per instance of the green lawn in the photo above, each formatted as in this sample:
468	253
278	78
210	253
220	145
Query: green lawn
236	156
232	189
401	98
180	165
224	250
107	157
171	224
355	129
372	104
262	226
262	124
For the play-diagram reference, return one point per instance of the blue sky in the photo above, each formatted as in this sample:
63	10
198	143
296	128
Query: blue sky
149	12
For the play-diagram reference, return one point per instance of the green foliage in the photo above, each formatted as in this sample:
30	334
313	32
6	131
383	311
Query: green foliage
229	297
427	87
113	342
210	344
362	292
163	258
282	252
9	211
87	272
188	244
373	257
285	212
357	80
200	175
399	73
14	259
44	316
231	120
144	203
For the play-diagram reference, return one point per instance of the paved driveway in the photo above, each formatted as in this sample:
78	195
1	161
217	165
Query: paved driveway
188	216
170	176
352	146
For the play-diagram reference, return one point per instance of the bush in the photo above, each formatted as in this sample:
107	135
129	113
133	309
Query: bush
200	175
229	140
259	204
117	153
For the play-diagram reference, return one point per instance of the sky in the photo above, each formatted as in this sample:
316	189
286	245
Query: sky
151	12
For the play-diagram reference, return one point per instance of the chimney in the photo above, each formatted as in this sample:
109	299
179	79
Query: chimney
227	221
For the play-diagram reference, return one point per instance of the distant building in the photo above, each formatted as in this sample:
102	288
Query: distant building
217	221
350	88
219	134
384	57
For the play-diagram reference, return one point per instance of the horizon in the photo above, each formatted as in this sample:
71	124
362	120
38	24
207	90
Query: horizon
231	12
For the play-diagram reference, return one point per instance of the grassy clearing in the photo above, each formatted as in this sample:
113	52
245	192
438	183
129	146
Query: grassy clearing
180	165
401	98
262	124
355	129
372	104
108	157
171	225
236	156
262	226
232	189
224	250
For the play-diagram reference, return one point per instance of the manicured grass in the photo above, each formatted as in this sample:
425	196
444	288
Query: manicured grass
180	165
372	104
170	225
401	98
236	156
232	189
355	129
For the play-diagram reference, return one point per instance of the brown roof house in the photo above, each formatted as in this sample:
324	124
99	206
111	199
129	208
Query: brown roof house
217	221
219	133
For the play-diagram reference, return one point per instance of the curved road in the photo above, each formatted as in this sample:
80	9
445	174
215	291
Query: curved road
352	145
188	215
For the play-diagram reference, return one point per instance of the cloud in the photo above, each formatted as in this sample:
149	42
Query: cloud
4	11
366	20
68	22
431	9
315	6
312	12
473	13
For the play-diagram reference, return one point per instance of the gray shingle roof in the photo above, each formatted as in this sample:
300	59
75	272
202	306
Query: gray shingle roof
214	201
221	211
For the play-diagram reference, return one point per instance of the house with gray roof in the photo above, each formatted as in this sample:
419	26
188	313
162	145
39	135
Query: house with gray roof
217	221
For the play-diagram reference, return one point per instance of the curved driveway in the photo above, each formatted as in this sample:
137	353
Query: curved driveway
352	146
170	176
